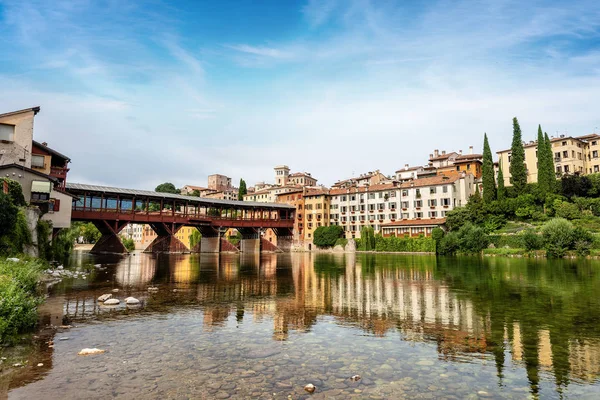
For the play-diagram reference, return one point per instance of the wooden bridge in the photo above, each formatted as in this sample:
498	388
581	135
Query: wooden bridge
110	209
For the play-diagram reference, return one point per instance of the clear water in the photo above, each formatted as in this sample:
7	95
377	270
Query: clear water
265	326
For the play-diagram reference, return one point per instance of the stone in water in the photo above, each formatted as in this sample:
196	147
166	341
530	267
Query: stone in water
111	302
105	297
87	352
355	378
310	388
132	300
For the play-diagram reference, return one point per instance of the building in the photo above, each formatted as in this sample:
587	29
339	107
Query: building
269	195
190	189
412	227
572	155
295	198
41	171
370	178
282	173
379	205
220	183
301	179
443	159
316	212
468	164
408	173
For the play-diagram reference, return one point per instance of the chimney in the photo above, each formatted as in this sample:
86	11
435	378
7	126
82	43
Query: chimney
443	152
431	156
460	152
405	166
470	149
45	144
436	152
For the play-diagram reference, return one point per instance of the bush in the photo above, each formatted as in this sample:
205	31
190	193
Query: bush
15	192
326	236
8	214
18	297
472	239
558	237
129	244
341	242
449	244
530	240
404	244
582	241
566	210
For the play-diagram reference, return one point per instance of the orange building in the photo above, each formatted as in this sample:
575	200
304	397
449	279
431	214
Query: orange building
468	163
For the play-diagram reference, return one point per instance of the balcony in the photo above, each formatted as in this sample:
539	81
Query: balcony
59	172
557	159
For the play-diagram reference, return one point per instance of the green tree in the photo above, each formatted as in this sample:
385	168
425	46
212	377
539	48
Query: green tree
128	243
326	236
167	187
501	188
195	238
489	183
542	160
15	191
518	173
367	239
551	178
242	190
195	193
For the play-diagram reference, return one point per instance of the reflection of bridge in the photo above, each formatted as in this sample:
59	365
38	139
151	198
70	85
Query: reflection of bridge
110	209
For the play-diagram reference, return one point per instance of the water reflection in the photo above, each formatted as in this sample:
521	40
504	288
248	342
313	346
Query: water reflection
538	318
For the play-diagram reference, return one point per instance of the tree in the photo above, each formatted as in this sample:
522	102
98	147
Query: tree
367	238
501	188
518	173
167	187
489	183
195	193
243	190
542	159
550	165
326	236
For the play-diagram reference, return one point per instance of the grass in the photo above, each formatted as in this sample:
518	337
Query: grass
504	251
19	297
512	227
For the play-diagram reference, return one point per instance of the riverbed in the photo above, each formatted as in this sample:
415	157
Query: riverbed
353	325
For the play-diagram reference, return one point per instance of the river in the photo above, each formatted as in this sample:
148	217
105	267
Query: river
250	326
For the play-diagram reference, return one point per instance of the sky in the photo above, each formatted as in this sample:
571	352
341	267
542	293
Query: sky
139	93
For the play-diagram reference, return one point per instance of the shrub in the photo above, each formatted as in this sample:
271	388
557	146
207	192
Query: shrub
558	237
404	244
15	192
530	240
8	214
449	244
583	241
18	297
326	236
563	209
472	239
129	244
341	242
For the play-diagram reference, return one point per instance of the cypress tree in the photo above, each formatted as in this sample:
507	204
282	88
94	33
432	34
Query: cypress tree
542	160
501	189
489	183
242	190
550	160
518	174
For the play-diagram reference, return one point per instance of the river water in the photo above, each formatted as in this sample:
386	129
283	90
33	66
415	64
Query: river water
228	326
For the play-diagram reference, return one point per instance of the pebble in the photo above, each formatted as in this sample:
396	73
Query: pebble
87	352
40	365
104	297
310	388
355	378
64	338
115	290
132	301
17	365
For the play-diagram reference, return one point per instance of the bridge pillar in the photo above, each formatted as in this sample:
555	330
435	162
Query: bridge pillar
250	242
109	241
210	244
285	239
165	241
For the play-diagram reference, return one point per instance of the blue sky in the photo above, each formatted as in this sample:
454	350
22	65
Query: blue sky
144	92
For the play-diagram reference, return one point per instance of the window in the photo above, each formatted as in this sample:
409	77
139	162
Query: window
596	168
418	215
37	161
595	153
564	143
418	193
405	193
445	189
405	216
432	190
446	201
557	155
432	214
566	169
432	202
381	206
7	132
392	206
371	196
558	170
405	204
392	216
565	154
418	203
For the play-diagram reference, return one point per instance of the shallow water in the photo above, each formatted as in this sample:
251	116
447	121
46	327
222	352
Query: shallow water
226	326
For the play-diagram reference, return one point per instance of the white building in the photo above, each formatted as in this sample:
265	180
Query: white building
378	205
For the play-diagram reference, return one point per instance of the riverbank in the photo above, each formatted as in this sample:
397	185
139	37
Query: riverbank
19	296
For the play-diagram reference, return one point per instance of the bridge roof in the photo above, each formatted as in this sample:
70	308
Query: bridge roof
82	187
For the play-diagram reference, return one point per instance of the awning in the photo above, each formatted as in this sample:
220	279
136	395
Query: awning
41	187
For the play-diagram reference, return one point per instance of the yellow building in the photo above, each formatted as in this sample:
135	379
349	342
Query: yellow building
184	234
316	212
572	155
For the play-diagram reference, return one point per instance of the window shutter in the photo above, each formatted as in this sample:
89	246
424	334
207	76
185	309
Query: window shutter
56	205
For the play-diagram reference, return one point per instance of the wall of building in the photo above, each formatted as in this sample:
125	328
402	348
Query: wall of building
19	150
